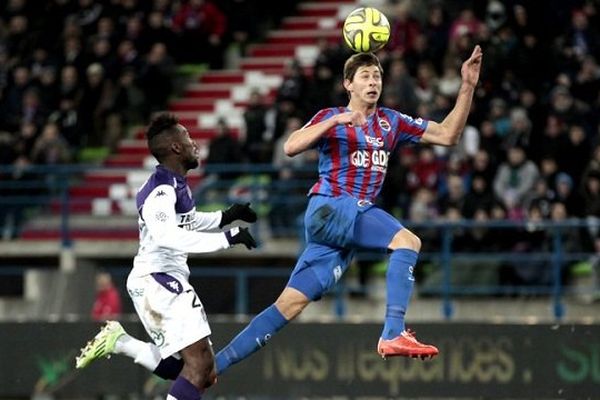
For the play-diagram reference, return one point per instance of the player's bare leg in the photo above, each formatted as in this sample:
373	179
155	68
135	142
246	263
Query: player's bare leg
197	374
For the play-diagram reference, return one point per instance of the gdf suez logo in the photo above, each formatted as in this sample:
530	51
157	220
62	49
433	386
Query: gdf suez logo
366	158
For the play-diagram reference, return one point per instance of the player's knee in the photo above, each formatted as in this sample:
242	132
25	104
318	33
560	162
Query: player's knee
405	239
212	378
291	303
200	369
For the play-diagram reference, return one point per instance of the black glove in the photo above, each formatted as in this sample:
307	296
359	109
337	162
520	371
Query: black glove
241	236
237	211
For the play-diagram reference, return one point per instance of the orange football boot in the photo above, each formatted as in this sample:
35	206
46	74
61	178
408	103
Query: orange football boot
406	345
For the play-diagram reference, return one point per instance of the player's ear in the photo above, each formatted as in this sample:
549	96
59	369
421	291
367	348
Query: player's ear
176	147
347	85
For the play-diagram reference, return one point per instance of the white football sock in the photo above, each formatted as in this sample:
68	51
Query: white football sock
145	354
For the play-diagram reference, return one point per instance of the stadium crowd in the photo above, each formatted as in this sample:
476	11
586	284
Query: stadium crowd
531	151
79	72
75	74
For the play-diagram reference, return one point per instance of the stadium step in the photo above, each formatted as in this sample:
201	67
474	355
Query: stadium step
208	91
310	23
196	133
126	160
272	50
324	8
225	76
260	63
81	234
309	37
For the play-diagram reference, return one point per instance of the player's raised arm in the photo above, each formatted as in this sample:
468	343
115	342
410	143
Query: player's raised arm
307	136
448	132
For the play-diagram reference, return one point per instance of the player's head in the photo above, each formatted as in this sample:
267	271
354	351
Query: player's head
170	141
363	77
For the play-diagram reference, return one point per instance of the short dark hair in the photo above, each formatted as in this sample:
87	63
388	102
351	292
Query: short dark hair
360	60
160	126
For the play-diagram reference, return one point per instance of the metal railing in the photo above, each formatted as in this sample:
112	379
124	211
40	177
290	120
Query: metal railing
261	185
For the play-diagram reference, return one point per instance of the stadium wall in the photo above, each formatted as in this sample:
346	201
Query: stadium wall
310	360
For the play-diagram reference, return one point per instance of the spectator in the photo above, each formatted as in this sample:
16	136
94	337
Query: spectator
202	25
66	119
400	88
255	127
541	198
50	148
514	179
94	103
479	197
591	194
12	100
107	304
291	174
127	107
224	150
157	31
70	87
575	153
405	29
454	198
567	194
155	78
426	171
18	197
436	30
294	85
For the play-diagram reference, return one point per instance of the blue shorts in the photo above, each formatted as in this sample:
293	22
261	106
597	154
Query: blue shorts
334	228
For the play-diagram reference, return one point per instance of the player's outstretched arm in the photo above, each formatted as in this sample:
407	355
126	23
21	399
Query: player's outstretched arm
448	132
158	213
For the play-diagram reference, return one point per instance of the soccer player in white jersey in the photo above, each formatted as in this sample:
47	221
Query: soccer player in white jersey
166	303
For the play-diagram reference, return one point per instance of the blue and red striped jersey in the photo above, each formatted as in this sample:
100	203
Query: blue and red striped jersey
353	160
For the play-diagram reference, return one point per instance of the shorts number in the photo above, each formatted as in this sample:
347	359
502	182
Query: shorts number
195	301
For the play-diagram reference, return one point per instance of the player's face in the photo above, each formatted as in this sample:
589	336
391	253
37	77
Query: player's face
366	85
190	151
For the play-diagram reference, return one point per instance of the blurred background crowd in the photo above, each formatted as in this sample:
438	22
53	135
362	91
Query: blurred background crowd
78	73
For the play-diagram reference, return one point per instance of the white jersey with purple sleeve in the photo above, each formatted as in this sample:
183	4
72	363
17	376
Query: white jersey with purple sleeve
170	227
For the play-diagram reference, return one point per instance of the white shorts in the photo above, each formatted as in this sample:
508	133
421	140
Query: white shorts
170	310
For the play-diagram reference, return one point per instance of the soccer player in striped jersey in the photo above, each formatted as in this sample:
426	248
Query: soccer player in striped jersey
354	145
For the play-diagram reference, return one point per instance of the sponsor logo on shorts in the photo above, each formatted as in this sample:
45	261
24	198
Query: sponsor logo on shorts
158	337
138	292
168	282
174	285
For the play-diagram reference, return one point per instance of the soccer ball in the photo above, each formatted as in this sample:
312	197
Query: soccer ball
366	29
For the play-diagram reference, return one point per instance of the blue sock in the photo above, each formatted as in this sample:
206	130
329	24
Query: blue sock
399	282
182	389
253	337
